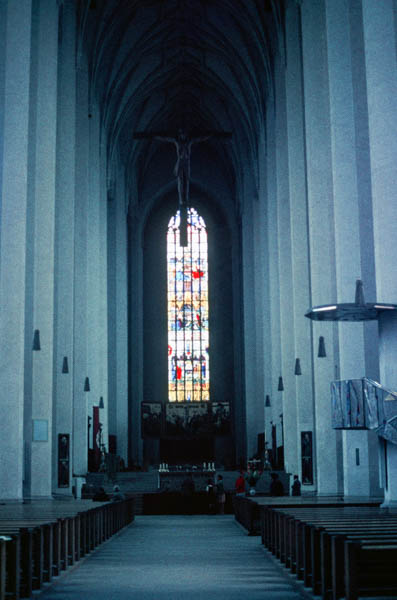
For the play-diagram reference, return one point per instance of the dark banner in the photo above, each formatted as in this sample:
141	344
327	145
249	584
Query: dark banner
307	457
63	460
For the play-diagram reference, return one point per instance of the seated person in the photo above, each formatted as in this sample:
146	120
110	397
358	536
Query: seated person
117	495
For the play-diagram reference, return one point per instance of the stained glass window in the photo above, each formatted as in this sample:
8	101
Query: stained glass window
188	335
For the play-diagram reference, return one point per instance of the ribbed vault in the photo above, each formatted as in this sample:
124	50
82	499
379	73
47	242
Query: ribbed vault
203	65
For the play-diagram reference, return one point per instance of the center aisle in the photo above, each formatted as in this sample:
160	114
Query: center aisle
177	558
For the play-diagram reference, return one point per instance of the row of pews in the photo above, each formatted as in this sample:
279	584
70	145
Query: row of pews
339	548
41	539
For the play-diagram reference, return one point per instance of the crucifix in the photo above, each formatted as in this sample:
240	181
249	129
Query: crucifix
183	144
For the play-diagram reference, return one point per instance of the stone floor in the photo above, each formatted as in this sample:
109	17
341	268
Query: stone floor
176	558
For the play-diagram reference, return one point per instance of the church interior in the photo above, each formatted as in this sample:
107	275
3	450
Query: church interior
197	241
198	224
218	179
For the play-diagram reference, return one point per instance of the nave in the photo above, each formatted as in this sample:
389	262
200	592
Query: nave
177	557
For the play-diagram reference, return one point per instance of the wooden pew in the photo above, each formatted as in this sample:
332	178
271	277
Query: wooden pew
370	569
302	536
47	537
302	553
4	540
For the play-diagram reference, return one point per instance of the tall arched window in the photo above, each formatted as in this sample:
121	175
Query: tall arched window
188	335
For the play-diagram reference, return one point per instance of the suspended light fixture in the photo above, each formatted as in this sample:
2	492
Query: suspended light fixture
36	340
321	347
101	403
353	311
267	400
298	367
65	365
280	384
87	385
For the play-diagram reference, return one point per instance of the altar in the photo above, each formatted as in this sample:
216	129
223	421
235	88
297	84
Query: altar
171	481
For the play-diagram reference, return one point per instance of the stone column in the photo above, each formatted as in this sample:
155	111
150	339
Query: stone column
117	294
348	214
321	236
248	286
300	277
103	345
261	298
93	330
81	423
287	418
43	134
64	394
15	49
135	275
381	75
274	351
262	293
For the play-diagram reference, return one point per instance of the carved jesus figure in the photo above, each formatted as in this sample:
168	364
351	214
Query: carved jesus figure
183	146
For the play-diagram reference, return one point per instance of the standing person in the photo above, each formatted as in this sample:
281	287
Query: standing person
296	487
211	499
220	495
240	485
276	487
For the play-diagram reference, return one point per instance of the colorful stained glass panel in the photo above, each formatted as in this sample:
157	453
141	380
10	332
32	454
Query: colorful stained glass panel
188	334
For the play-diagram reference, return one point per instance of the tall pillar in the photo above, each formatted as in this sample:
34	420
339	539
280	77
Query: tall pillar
261	299
321	236
381	74
82	418
102	284
16	48
248	287
43	132
347	215
135	291
299	236
92	273
64	393
118	315
96	258
272	415
262	295
287	418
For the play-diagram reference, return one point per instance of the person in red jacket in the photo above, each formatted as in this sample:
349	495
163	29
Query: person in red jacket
240	485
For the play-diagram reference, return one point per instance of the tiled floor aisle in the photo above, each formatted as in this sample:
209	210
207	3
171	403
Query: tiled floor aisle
177	558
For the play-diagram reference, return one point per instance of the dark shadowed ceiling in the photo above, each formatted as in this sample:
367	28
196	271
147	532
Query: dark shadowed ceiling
201	65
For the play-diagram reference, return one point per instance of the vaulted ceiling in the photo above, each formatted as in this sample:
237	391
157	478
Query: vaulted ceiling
200	65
